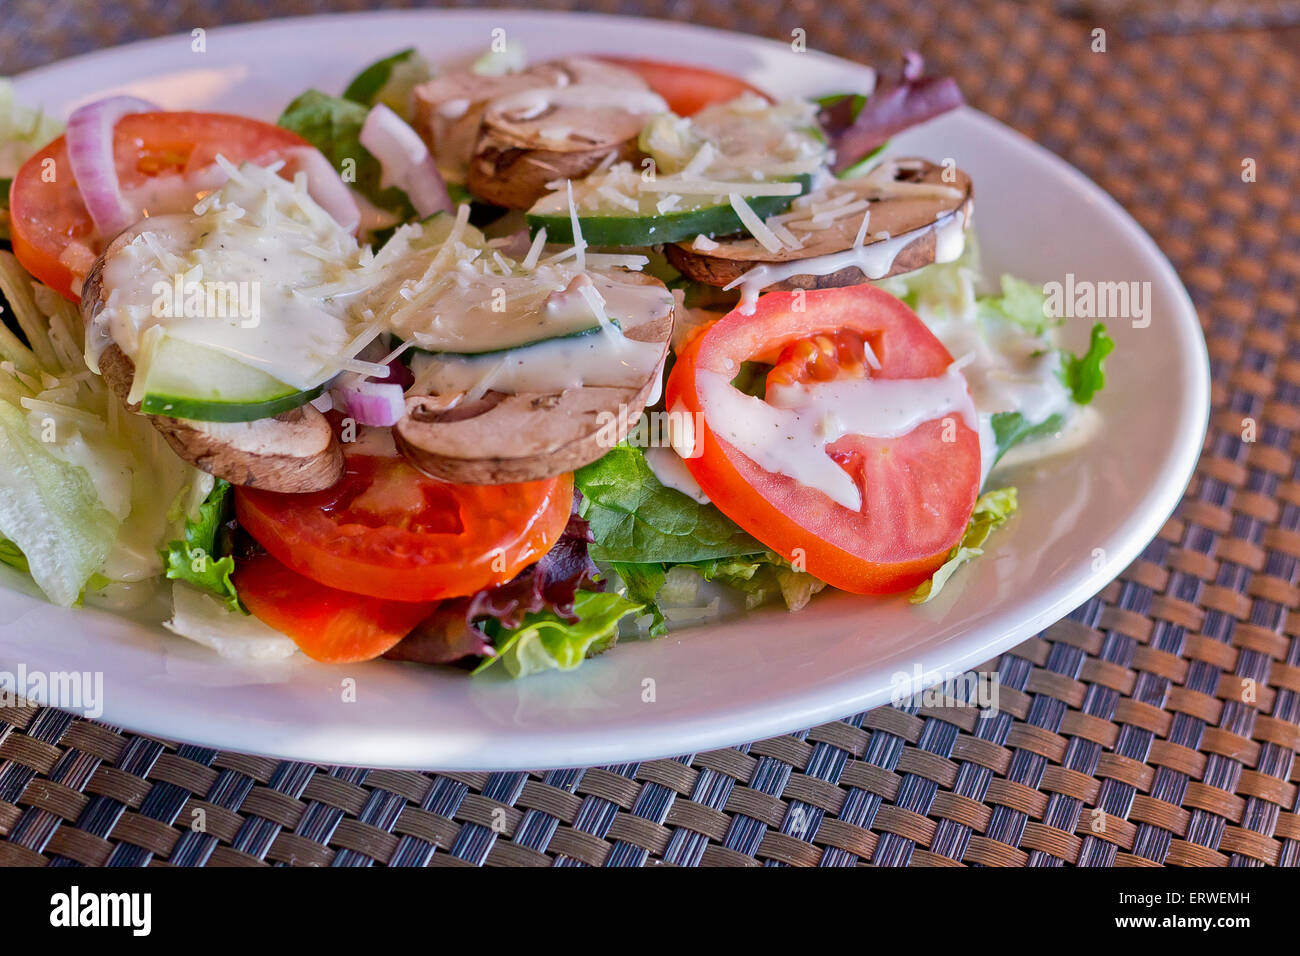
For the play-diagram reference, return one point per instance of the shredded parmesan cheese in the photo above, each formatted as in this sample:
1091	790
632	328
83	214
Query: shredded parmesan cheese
757	228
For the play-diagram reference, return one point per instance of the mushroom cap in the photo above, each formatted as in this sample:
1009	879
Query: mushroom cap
908	211
504	438
508	136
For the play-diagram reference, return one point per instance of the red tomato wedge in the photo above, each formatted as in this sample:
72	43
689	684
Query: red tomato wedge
389	531
686	89
918	490
149	148
329	625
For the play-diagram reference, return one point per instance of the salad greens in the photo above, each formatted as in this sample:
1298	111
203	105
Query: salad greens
333	125
545	641
1084	375
13	556
390	81
632	515
991	512
22	131
195	560
1020	302
49	509
80	482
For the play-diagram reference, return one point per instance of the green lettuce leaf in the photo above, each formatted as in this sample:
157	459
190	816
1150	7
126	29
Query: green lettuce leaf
50	511
1083	375
1011	428
643	583
195	559
991	512
636	520
762	578
333	125
546	642
390	81
13	556
23	131
1020	302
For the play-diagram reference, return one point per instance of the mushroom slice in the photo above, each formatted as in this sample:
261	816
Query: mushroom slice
504	437
293	452
915	214
511	135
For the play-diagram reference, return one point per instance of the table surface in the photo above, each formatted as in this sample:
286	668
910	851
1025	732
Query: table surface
1158	724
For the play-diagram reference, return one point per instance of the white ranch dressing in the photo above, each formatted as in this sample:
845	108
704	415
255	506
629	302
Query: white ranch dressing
1010	371
278	269
874	259
599	359
788	433
671	472
532	103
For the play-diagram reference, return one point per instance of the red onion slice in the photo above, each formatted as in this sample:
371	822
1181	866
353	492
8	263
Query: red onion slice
90	153
405	160
324	184
371	403
900	101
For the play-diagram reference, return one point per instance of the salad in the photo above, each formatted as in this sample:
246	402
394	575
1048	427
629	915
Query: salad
495	363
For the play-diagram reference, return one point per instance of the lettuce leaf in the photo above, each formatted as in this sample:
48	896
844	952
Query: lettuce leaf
546	642
333	125
1084	375
13	556
991	512
50	511
23	131
1020	302
204	619
643	583
635	520
762	578
1012	428
390	81
195	561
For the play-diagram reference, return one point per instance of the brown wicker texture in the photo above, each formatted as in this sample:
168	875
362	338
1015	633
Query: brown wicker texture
1157	725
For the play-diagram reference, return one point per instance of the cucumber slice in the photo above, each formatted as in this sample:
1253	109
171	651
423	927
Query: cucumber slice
615	226
488	353
184	380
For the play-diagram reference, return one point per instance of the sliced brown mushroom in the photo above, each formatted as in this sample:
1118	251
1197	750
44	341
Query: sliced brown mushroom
906	197
293	452
511	135
503	438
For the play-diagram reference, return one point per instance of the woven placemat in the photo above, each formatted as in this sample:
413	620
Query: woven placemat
1156	725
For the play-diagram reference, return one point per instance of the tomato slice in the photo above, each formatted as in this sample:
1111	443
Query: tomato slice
155	149
387	530
329	625
687	89
918	490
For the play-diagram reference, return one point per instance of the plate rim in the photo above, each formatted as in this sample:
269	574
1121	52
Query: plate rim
811	705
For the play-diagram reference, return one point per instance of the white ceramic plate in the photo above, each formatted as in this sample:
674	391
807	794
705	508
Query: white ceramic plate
1081	521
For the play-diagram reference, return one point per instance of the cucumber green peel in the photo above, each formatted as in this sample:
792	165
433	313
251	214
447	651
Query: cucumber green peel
615	229
486	353
189	381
